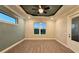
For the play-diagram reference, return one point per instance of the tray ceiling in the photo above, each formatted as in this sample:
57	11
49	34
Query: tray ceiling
48	10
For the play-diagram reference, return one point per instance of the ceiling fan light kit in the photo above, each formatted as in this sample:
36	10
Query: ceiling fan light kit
41	10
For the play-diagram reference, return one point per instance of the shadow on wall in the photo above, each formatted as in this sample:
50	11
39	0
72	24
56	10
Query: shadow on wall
10	34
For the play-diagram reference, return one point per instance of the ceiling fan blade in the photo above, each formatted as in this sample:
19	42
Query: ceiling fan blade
47	8
37	12
45	12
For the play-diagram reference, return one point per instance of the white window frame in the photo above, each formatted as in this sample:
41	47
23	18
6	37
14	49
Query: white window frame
39	28
2	21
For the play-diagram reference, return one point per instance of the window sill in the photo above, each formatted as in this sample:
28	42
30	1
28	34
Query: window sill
8	23
40	34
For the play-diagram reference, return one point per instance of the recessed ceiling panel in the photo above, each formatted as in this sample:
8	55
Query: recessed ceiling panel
48	10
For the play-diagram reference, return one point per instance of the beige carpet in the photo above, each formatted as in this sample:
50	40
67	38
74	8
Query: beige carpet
40	46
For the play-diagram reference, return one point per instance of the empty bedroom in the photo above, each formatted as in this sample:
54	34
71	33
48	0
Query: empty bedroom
39	28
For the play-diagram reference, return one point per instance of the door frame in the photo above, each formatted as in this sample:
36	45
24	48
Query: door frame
69	24
72	44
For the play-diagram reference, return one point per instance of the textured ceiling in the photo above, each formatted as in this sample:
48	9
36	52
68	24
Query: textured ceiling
49	10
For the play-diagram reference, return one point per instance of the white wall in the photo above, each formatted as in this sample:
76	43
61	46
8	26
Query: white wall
50	29
63	29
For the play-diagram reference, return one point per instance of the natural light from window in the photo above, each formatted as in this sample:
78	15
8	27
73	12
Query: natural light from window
41	25
39	28
6	18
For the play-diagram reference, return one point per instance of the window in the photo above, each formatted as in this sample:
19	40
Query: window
39	28
6	18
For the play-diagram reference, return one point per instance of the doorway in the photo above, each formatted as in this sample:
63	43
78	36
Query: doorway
75	29
73	32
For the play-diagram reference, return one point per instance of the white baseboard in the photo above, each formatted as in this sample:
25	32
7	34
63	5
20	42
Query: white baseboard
3	51
64	45
40	38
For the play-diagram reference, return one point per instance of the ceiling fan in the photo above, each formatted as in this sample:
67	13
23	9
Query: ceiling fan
41	8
